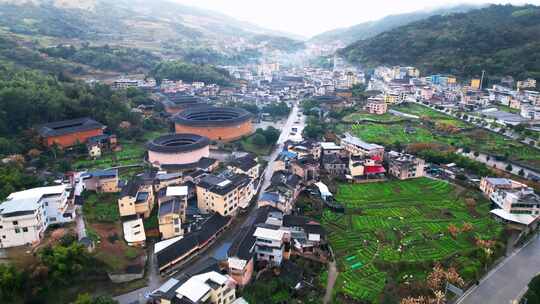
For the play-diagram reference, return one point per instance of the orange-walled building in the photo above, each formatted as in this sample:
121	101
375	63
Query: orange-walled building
68	133
216	123
219	133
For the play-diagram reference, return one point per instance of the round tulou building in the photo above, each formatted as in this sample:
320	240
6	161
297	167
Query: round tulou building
178	150
216	123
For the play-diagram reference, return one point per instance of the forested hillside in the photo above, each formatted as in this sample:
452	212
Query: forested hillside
502	40
371	28
29	98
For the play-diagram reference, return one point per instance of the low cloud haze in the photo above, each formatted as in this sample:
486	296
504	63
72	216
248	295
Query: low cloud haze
308	17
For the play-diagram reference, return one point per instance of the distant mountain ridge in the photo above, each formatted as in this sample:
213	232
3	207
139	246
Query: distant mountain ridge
500	39
133	23
372	28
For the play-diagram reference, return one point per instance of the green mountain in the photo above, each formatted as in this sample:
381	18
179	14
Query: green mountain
500	39
123	31
372	28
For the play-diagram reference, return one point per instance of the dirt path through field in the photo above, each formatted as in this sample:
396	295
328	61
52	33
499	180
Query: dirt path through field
332	276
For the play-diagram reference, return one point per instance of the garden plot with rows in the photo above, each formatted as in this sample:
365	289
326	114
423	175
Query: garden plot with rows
406	223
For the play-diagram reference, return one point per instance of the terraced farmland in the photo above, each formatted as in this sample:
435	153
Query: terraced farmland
401	222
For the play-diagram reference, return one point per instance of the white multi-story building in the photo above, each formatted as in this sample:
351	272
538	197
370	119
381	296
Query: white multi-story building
517	206
270	245
25	215
523	201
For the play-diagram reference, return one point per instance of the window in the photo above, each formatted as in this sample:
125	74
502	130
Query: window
17	230
15	223
25	229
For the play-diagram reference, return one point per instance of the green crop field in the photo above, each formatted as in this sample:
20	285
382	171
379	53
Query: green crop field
387	224
421	111
476	139
364	116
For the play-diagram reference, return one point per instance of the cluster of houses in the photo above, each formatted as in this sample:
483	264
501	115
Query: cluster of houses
399	84
186	201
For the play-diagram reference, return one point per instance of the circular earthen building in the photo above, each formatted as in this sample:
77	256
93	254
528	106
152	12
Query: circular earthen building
178	150
216	123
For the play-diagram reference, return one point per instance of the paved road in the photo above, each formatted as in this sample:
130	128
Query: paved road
284	136
507	281
225	240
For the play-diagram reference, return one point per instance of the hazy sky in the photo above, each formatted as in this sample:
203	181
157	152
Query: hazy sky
310	17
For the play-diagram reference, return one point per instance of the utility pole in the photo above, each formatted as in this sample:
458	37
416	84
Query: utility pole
482	80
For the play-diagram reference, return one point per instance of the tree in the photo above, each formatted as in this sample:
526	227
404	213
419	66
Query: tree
11	282
271	134
508	167
259	139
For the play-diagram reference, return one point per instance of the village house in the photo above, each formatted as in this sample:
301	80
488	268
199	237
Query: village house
247	165
328	148
376	106
178	250
163	180
357	147
25	215
334	164
282	193
68	133
270	244
137	198
134	233
362	168
518	206
224	194
273	238
283	160
205	288
97	144
488	185
307	168
101	180
172	212
405	166
305	148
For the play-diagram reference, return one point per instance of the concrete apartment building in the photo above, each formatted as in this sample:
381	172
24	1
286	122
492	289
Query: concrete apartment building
357	147
224	195
25	215
405	166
